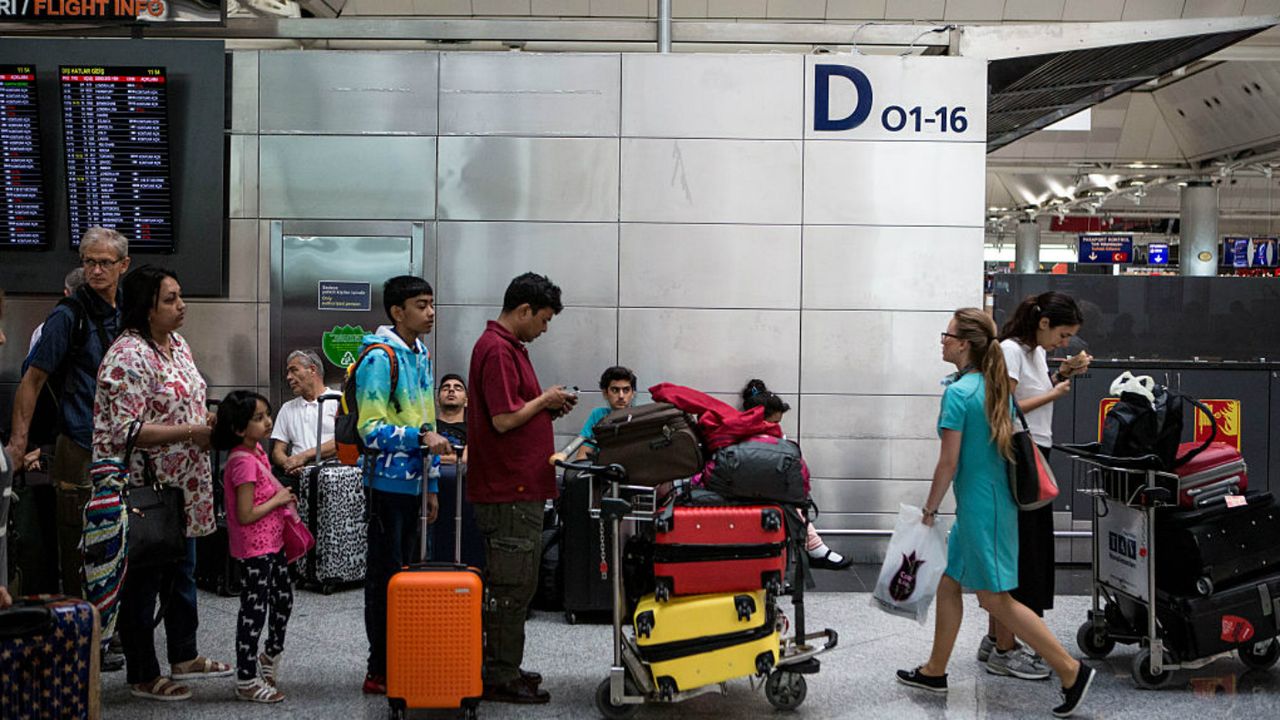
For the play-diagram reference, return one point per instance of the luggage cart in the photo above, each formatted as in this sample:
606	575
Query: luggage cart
1126	494
631	683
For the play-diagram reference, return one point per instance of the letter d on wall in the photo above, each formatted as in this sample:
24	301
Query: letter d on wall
822	100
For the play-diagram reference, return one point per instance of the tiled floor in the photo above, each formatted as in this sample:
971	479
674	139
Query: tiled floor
326	650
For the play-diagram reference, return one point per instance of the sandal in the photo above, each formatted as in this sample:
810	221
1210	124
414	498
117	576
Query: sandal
162	688
257	690
199	669
269	668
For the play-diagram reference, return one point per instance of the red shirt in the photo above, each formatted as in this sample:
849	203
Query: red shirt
510	466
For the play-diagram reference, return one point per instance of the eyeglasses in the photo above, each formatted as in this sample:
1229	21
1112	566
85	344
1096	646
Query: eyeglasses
946	335
91	264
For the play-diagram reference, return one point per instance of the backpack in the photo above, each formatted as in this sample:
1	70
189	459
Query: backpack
346	424
759	468
1138	426
46	417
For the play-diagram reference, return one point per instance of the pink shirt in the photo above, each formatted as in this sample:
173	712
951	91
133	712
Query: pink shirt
265	536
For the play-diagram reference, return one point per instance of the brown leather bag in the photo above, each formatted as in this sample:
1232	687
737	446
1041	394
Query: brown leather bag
656	443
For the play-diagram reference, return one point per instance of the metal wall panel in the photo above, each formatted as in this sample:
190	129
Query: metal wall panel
242	261
871	459
529	94
244	91
873	353
860	268
869	417
21	316
893	183
710	266
349	93
711	96
872	496
956	85
712	350
347	177
477	260
492	178
711	181
224	341
578	344
242	193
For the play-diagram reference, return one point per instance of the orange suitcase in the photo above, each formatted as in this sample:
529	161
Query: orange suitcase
435	640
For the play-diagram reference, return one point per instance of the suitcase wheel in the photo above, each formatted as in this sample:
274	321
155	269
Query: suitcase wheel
662	591
1141	671
604	701
785	690
667	688
764	663
771	519
1260	656
1204	585
396	708
772	582
644	623
745	605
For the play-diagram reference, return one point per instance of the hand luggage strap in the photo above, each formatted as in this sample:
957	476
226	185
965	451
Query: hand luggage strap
1213	435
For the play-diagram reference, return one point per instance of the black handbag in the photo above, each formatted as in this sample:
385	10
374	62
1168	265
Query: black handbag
1031	479
157	518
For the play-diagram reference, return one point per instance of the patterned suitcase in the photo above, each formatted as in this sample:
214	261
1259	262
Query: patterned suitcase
1216	472
338	524
718	549
435	637
49	654
701	640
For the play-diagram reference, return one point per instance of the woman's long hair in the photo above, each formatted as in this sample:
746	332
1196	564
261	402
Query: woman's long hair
976	327
1061	309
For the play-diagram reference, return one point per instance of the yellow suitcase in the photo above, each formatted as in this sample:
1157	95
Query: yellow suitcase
699	640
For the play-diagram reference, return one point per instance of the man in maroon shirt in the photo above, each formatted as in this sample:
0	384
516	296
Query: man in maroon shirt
509	479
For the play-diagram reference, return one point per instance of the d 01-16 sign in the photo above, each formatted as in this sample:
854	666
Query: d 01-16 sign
896	98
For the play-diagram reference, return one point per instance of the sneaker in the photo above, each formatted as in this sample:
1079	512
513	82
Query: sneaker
1074	695
375	685
916	679
1019	662
985	647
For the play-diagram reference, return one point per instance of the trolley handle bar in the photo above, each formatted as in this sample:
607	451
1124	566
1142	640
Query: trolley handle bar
1089	452
613	471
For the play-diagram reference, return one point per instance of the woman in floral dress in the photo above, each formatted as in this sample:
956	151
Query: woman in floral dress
148	374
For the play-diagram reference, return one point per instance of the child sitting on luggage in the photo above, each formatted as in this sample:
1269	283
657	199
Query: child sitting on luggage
821	556
255	503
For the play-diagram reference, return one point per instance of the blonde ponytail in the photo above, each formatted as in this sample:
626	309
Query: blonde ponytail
976	327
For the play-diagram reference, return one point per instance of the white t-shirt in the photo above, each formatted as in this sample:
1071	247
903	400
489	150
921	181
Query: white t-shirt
1030	369
296	424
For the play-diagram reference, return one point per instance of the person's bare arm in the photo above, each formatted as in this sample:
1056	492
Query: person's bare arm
24	406
279	457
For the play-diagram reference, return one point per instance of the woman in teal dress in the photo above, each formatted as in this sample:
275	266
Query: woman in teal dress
982	550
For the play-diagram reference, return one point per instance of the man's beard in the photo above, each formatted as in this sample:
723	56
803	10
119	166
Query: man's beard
451	408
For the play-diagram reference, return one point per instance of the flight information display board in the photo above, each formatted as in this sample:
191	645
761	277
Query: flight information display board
22	207
115	123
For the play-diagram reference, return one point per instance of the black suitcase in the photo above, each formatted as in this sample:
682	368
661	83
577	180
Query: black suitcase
585	544
216	570
442	531
1237	618
1217	547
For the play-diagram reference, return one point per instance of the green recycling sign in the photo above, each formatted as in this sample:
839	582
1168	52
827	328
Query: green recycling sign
342	344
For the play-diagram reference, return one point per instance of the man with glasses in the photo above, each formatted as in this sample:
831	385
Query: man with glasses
66	359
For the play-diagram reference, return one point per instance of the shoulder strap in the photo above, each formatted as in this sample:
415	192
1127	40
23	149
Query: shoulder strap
1213	422
395	367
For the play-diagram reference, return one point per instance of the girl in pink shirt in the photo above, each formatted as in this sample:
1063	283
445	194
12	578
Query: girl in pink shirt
256	503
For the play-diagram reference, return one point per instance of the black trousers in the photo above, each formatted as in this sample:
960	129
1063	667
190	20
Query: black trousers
393	537
1035	557
266	598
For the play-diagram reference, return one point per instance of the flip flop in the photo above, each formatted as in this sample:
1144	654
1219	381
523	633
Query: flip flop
162	688
201	668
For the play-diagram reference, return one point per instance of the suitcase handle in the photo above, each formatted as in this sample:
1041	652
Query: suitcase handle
26	617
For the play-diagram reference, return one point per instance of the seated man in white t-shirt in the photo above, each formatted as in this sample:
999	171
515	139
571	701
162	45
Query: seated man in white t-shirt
293	438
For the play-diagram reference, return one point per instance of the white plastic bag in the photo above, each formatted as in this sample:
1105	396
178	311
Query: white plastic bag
912	568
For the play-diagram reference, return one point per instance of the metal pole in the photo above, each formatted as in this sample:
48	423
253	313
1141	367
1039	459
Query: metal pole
1027	247
664	26
1198	251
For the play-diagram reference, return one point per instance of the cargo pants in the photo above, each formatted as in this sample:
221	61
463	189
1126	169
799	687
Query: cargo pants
513	548
70	471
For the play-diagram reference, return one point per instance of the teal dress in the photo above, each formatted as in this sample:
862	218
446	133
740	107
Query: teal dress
982	551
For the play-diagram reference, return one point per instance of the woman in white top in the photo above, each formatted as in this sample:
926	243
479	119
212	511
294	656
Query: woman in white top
1041	324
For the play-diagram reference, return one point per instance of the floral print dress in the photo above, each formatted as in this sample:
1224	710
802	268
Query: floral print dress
139	382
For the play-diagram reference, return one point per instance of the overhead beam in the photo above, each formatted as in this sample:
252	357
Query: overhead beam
998	42
530	30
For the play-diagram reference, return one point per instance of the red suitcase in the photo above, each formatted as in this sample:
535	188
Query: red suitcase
1212	475
718	549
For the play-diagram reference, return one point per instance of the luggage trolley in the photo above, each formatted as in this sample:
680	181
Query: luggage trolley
1126	495
631	683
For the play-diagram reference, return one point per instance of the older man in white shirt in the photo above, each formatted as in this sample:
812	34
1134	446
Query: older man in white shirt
293	438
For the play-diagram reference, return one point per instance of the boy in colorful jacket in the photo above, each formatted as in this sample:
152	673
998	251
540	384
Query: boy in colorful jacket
399	431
